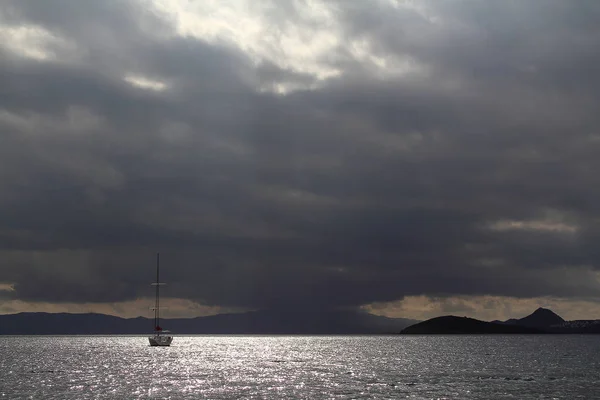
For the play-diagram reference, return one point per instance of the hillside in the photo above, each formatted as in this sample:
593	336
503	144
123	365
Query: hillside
258	322
451	325
541	320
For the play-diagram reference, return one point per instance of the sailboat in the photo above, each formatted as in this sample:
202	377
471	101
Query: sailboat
160	336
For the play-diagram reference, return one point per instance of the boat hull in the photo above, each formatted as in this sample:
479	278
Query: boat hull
160	340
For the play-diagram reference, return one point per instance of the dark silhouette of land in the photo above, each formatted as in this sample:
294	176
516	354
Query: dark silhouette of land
286	322
541	320
450	324
257	322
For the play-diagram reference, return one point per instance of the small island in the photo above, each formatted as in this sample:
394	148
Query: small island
541	321
451	324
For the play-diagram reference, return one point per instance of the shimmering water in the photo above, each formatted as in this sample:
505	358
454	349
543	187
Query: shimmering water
309	367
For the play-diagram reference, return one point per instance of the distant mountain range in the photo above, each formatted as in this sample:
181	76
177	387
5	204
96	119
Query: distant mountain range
280	322
257	322
451	324
541	320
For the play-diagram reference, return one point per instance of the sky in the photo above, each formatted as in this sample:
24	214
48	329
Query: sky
407	158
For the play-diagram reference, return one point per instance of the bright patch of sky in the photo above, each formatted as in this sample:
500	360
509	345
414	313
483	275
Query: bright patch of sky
300	36
145	83
7	287
31	41
536	225
252	27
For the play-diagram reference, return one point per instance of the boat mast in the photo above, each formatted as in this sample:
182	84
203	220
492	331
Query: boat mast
157	300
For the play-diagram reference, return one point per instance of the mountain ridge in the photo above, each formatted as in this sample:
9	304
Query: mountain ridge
253	322
453	325
541	321
540	318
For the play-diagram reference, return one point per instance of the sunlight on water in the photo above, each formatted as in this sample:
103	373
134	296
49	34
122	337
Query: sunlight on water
226	367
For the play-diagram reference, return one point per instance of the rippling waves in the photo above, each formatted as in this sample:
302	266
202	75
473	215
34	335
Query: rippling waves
312	367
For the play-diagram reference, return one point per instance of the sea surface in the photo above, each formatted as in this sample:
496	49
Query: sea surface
301	367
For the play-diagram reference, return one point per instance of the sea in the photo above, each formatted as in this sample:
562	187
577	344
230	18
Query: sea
301	367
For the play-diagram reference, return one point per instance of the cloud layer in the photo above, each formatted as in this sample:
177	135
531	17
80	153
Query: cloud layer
299	154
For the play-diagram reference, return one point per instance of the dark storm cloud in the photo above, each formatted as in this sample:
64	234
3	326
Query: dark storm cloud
473	174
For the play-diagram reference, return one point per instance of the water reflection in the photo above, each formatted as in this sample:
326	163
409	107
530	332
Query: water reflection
300	367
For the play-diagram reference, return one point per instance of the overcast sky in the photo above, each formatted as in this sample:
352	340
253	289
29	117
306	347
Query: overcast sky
413	158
